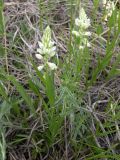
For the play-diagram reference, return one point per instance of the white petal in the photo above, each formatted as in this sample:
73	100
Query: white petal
39	50
104	2
88	44
40	44
38	56
54	48
46	51
87	33
86	24
75	33
52	43
81	47
40	67
77	22
52	54
52	66
52	51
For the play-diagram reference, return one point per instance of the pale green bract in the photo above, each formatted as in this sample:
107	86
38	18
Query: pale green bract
82	23
46	50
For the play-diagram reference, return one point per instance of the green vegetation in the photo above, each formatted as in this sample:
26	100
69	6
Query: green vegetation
59	80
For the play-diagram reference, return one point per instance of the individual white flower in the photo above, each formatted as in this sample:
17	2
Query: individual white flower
52	51
46	50
52	66
104	2
38	56
76	33
40	67
88	44
77	22
87	33
81	47
41	45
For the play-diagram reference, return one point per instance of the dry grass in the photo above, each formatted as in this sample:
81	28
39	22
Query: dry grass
22	35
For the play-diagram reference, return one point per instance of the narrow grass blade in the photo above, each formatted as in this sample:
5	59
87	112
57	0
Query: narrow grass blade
22	92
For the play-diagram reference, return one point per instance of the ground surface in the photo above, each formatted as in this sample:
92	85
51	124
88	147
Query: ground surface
95	134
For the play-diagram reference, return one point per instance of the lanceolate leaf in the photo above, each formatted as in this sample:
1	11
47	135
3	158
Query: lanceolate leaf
50	90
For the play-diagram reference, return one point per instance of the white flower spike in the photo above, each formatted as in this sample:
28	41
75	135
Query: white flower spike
83	20
109	8
46	50
82	23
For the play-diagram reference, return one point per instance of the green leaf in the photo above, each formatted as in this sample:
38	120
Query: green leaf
113	19
4	109
105	61
50	90
2	90
22	92
114	71
2	51
1	19
96	3
99	29
34	87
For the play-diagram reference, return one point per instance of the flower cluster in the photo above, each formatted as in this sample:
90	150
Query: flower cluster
109	8
82	23
46	50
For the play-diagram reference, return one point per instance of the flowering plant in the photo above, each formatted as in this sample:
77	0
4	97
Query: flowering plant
82	23
109	8
46	50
